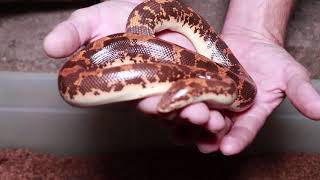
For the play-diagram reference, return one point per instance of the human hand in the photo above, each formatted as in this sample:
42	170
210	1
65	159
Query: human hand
257	41
276	74
89	24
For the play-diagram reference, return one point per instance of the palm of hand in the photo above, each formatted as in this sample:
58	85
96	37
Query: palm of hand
270	65
266	63
276	74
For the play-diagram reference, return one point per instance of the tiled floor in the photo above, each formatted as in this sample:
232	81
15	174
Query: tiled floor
22	30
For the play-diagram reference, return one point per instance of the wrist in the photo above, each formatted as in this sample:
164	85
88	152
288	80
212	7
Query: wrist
261	19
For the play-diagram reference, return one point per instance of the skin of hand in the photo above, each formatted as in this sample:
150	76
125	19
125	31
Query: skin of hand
230	133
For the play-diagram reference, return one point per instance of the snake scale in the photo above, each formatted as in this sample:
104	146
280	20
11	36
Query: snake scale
136	64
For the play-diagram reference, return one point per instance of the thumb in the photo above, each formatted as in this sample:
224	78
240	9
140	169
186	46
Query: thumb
69	35
303	95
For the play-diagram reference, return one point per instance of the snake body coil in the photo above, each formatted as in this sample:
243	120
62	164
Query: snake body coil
136	64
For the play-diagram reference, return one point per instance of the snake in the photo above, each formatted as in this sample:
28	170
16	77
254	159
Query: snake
136	64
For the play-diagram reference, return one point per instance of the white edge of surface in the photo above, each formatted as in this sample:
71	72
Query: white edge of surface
33	115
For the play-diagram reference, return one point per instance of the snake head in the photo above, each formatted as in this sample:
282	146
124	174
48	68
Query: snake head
219	94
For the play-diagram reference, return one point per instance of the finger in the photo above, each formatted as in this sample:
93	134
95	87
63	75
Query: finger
69	35
210	142
244	130
149	105
196	113
304	96
216	122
